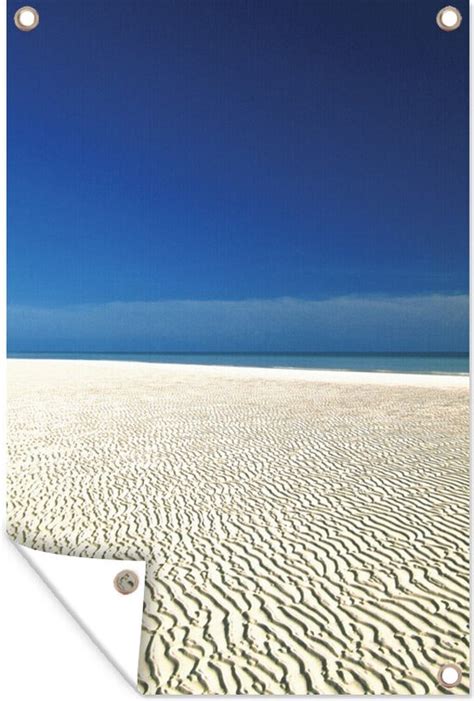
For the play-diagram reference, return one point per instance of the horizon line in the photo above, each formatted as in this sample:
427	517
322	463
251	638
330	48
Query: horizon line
215	352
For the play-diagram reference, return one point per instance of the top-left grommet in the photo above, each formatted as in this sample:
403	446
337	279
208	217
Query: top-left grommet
26	18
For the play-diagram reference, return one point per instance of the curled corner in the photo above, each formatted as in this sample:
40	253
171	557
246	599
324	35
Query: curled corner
86	587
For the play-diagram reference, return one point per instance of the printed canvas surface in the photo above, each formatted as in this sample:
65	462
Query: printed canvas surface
238	330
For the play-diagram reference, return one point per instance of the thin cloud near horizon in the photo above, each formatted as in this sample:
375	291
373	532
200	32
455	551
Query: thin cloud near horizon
433	322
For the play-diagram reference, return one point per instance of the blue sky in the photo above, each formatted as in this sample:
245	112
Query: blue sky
192	161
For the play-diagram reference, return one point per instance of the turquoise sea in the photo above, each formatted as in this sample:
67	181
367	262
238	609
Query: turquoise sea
438	363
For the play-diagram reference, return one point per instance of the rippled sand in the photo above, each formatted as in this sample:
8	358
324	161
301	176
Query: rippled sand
304	531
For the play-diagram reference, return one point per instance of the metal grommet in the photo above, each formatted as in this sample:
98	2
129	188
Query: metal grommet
450	675
449	18
126	581
26	18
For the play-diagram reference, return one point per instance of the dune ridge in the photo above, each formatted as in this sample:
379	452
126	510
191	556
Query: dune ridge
305	532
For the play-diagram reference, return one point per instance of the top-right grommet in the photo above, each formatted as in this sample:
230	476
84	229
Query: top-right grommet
449	18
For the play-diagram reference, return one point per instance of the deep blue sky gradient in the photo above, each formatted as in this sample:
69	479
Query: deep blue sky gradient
235	149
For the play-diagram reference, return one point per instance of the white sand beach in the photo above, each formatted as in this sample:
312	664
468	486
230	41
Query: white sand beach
305	531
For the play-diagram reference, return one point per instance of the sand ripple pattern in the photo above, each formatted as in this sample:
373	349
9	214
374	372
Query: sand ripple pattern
301	536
